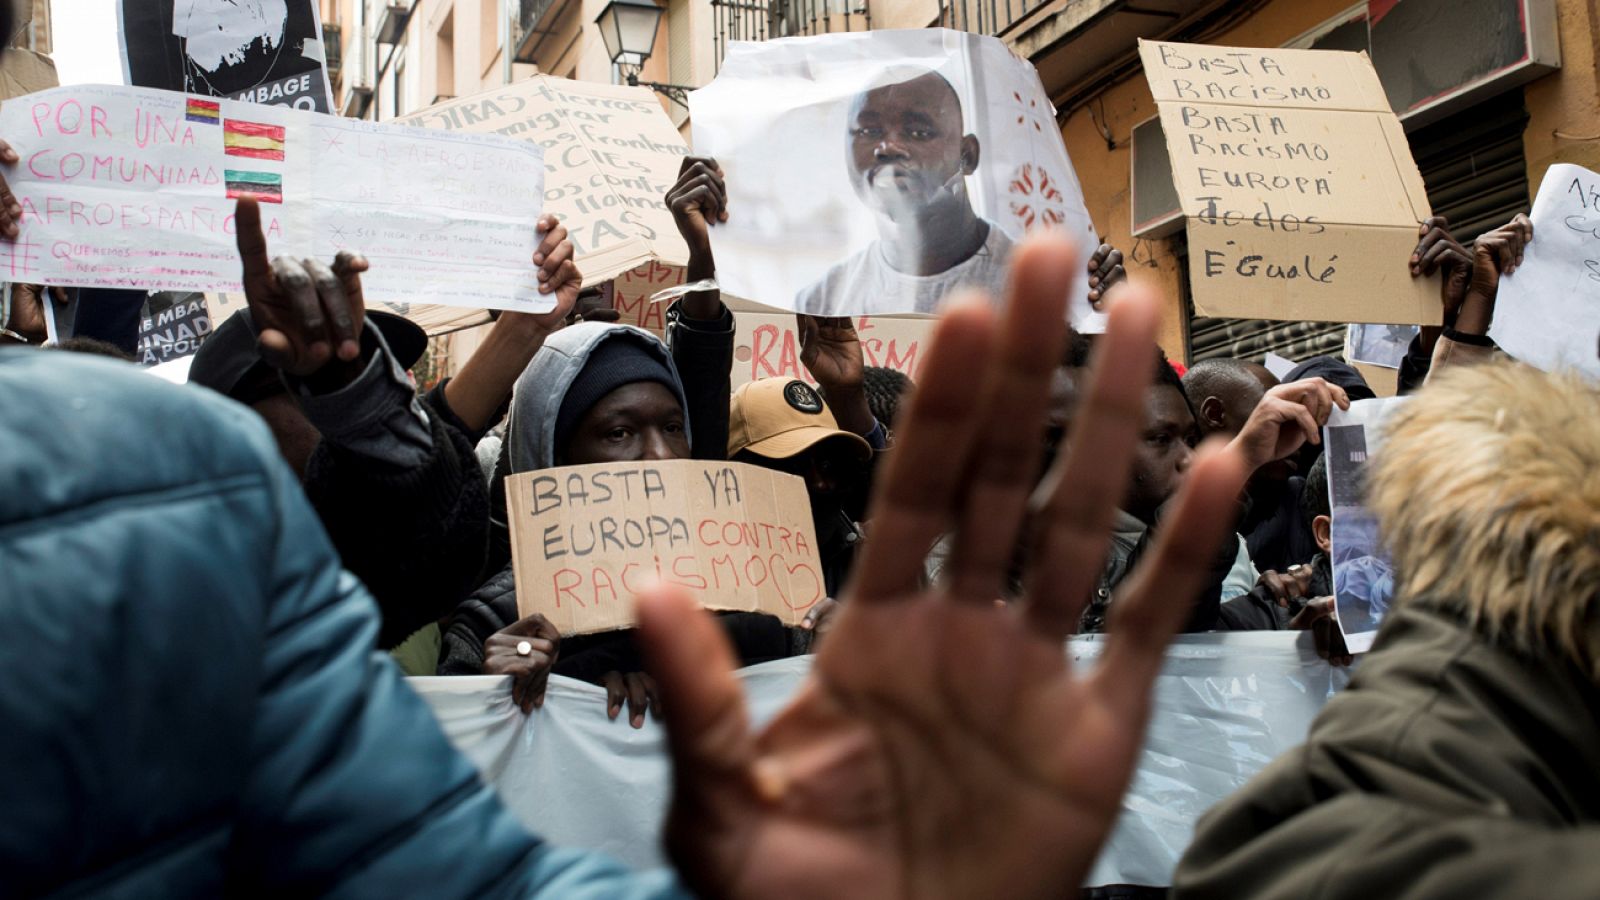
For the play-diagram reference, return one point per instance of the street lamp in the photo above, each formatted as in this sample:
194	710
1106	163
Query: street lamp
628	28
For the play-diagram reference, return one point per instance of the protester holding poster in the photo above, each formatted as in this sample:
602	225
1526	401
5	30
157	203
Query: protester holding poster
391	474
603	393
879	171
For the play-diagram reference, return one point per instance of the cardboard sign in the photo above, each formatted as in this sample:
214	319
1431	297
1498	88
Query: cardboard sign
585	539
1300	192
610	156
767	345
133	187
252	51
879	172
1548	311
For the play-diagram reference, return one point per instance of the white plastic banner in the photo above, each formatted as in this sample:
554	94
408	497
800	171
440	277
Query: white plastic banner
875	172
1225	705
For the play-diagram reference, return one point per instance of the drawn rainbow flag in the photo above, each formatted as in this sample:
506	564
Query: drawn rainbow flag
266	187
252	139
204	111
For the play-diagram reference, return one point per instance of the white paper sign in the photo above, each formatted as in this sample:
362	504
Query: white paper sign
1363	579
131	187
1279	366
877	172
1548	310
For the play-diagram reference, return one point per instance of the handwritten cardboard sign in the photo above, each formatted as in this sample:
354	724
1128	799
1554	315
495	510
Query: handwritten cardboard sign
585	539
766	341
1300	192
132	187
1548	311
610	156
767	345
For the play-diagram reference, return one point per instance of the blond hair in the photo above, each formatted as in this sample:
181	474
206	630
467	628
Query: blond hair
1487	493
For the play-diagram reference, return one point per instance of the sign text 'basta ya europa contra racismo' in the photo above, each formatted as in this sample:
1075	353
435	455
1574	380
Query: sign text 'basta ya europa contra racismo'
1300	192
586	539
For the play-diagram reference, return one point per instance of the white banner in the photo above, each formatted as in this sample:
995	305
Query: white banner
1225	705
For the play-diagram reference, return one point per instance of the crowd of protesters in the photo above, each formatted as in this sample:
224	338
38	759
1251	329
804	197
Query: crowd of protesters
191	717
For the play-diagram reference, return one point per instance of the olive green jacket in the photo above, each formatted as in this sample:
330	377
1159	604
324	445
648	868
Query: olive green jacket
1450	768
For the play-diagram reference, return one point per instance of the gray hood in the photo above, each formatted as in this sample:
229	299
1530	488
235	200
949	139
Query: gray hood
536	400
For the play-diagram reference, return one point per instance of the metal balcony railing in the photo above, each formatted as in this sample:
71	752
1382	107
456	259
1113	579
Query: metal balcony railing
760	20
991	17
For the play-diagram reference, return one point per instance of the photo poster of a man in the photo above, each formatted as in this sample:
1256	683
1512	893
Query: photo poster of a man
883	172
1363	578
254	51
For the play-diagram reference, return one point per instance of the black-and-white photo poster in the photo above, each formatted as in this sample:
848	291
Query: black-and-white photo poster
255	51
883	172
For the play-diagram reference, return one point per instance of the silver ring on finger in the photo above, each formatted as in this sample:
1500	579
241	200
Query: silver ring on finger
524	648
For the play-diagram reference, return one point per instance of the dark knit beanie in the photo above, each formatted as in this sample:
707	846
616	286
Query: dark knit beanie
1334	372
612	364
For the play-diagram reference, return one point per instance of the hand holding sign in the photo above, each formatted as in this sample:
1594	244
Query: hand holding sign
10	209
305	312
846	790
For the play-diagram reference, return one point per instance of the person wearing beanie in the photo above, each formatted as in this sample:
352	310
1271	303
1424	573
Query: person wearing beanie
391	475
594	393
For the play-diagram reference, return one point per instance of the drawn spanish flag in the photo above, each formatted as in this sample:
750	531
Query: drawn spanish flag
204	111
266	187
252	139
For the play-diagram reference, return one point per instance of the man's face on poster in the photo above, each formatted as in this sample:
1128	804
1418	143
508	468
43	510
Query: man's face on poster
907	146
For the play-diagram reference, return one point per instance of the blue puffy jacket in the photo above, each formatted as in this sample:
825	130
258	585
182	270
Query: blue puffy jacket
190	704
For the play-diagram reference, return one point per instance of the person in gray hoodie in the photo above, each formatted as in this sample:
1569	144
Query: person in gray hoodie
594	393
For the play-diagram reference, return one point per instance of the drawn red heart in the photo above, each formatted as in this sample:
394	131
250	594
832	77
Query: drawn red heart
776	562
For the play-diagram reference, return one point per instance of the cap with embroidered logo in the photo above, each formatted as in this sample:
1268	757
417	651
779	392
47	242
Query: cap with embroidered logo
783	417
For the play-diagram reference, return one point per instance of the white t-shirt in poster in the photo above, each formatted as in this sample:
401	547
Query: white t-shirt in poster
866	285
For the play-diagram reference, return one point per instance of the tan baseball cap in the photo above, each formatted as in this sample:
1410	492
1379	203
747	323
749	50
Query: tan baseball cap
783	417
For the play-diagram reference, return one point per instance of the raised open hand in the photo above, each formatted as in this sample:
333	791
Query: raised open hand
942	747
306	313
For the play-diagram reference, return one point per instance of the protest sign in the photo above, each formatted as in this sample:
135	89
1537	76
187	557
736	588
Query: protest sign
1548	311
131	187
174	325
252	51
610	152
767	345
875	172
1300	192
1225	706
584	539
1378	345
1363	579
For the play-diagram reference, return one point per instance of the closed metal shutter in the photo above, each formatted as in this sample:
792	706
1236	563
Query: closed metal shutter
1473	167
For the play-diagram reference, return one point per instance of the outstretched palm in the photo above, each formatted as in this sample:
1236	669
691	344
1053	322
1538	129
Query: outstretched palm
942	747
